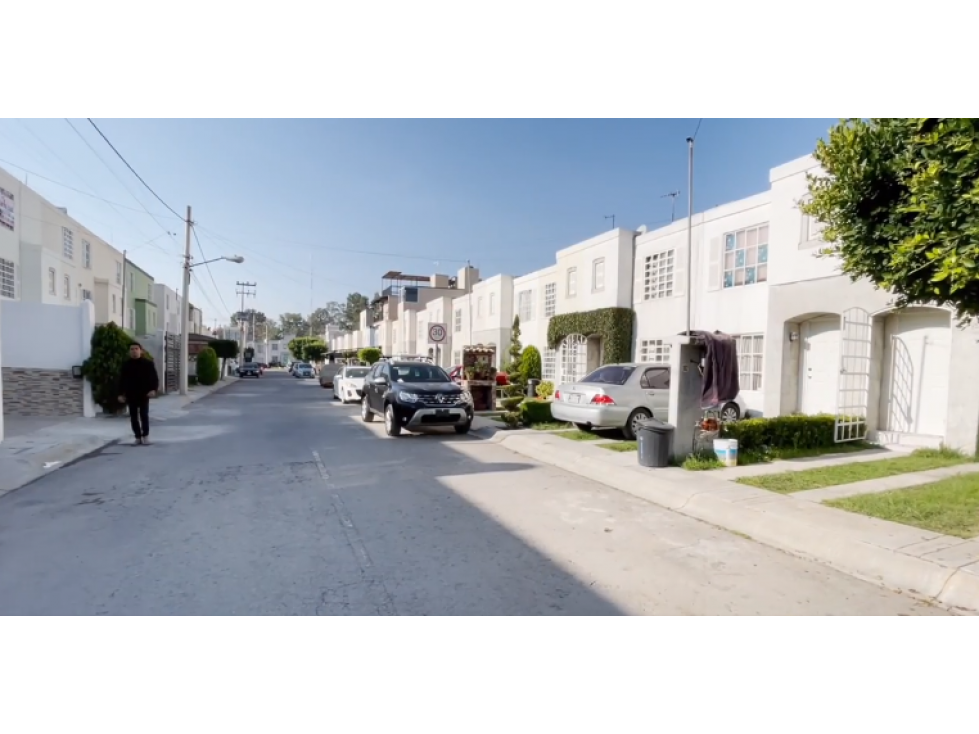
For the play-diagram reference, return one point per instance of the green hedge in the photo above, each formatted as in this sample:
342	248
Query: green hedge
783	432
208	370
614	325
535	411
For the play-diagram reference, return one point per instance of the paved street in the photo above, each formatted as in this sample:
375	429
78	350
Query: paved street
270	498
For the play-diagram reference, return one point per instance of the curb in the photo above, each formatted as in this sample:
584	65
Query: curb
919	577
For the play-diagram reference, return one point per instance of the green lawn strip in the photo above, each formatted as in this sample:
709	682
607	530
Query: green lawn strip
949	506
579	435
620	446
832	476
748	458
551	426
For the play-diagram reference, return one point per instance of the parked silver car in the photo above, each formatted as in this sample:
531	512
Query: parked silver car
622	396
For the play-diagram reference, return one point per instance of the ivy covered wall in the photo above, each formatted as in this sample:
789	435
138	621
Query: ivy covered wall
614	325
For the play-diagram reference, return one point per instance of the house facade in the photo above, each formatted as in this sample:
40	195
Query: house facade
809	339
168	308
48	257
141	309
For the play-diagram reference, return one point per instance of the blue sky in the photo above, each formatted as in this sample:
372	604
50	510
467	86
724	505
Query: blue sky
361	197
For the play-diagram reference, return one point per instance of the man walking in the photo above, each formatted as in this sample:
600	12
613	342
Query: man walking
138	382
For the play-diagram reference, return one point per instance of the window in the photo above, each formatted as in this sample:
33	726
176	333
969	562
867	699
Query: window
549	364
610	374
655	378
751	349
658	276
118	273
114	304
458	319
654	351
52	282
525	305
598	275
66	288
275	346
8	284
86	295
492	304
746	257
132	281
572	282
149	291
67	243
479	307
550	299
456	357
86	254
574	358
132	319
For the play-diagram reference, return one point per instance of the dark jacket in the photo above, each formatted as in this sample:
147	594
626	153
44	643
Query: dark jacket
721	381
138	378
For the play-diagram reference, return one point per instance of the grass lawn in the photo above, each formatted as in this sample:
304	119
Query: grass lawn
831	476
621	446
747	458
578	435
950	506
551	426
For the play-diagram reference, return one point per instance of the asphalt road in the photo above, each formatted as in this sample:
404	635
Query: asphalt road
271	498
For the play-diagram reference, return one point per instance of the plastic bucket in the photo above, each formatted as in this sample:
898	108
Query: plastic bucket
726	451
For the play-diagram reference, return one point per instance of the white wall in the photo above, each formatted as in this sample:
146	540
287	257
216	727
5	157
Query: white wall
168	307
614	249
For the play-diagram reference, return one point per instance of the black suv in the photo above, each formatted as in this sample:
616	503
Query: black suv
414	395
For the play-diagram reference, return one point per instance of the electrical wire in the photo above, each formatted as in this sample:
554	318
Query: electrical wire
699	122
148	188
207	266
118	178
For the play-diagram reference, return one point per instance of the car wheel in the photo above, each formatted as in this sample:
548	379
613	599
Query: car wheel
730	413
365	411
584	427
464	428
323	385
391	425
638	417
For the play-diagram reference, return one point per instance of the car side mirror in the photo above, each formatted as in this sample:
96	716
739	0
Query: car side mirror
380	381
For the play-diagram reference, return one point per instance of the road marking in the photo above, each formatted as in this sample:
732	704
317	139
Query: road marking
386	608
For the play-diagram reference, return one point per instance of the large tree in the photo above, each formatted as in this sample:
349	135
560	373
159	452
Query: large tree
900	201
293	323
328	315
350	318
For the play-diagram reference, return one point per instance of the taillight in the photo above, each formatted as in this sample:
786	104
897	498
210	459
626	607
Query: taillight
557	395
602	400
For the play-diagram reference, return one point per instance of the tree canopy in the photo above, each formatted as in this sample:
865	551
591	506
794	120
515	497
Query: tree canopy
900	201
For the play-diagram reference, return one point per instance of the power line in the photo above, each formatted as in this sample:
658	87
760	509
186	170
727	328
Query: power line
699	122
115	175
148	188
208	267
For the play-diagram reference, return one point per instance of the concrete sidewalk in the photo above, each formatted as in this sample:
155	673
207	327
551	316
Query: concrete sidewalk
29	456
926	564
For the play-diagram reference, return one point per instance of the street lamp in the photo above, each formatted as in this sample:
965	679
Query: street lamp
185	306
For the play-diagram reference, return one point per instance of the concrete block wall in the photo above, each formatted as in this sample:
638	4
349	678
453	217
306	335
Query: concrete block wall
42	393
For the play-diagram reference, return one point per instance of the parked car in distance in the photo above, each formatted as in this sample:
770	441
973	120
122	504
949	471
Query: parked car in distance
302	370
348	385
501	377
623	396
250	369
328	373
414	395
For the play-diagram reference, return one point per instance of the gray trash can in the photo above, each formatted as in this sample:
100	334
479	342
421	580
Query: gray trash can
655	444
532	387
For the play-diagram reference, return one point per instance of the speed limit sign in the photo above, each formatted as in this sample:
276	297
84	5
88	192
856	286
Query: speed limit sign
437	333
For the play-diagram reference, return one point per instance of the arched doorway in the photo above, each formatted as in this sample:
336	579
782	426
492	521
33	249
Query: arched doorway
573	358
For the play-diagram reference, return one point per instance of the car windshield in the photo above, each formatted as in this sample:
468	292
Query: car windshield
357	371
610	375
418	372
304	366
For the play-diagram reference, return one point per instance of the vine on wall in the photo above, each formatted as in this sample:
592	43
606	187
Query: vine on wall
614	325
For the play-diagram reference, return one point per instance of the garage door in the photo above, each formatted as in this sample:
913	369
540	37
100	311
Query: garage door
916	368
820	365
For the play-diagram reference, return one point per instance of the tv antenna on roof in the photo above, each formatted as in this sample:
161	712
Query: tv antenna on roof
612	217
672	196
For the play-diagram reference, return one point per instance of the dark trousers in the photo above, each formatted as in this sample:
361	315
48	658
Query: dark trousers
139	415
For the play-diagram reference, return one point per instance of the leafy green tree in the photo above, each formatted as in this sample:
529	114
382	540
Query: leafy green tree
297	347
530	364
225	349
350	318
369	355
208	371
293	323
315	351
899	198
110	350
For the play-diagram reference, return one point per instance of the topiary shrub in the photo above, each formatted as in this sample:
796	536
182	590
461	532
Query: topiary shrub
369	355
783	432
512	419
110	350
511	404
614	325
530	364
225	349
545	391
208	370
535	411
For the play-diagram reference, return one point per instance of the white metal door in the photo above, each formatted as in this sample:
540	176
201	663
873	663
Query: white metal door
820	365
916	373
573	358
853	396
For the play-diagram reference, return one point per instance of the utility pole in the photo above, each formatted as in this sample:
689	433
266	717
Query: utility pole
689	228
242	290
184	309
672	196
310	295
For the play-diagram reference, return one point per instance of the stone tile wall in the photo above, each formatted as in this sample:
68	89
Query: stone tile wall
47	393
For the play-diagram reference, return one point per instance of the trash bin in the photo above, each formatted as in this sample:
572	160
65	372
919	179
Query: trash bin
532	388
655	444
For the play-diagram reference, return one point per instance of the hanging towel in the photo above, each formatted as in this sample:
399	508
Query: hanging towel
721	383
